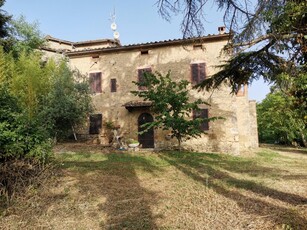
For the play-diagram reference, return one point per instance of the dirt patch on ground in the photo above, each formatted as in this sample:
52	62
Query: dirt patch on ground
96	188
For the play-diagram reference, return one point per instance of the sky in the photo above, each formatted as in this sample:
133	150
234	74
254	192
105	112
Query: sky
138	21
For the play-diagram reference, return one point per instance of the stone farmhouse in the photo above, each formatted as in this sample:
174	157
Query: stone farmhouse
111	68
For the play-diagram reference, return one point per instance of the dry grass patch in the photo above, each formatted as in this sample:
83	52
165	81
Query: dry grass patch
168	190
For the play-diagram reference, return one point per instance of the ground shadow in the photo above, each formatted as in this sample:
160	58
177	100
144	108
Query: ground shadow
285	148
126	203
211	170
281	149
104	191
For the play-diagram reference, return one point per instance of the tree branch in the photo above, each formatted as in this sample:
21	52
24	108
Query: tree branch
265	37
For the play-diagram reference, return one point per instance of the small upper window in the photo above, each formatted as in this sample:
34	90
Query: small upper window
141	76
198	72
113	85
95	59
95	82
144	52
198	47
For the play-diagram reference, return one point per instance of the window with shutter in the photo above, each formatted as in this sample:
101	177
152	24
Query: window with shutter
202	113
95	123
198	72
113	85
141	76
95	82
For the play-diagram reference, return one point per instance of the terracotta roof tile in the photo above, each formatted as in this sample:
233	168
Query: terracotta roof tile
154	43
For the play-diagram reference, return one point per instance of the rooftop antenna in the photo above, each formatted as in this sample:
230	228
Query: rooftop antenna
113	25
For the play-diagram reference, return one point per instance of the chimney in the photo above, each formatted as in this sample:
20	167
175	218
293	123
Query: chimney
222	29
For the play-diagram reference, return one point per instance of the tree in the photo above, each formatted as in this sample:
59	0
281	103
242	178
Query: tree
21	130
9	112
267	38
51	99
278	122
4	21
24	37
30	82
171	105
282	115
5	28
68	103
38	100
17	35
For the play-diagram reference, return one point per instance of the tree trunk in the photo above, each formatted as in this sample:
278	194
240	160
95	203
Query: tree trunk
304	140
55	139
179	143
73	131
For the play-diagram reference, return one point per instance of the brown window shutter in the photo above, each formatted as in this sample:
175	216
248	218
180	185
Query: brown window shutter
95	82
113	85
92	82
141	76
98	83
198	72
205	115
194	72
202	72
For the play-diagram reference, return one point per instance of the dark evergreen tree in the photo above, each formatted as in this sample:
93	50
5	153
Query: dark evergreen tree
4	21
267	38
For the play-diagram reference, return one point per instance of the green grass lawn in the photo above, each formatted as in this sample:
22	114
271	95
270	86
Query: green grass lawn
170	190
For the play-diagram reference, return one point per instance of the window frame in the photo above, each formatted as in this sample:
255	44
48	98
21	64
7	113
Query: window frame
141	72
95	123
204	114
113	85
198	72
144	52
95	80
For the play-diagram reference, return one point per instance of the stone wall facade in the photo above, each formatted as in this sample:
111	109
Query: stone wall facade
235	133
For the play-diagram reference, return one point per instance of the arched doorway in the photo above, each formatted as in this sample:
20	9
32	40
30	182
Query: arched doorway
146	139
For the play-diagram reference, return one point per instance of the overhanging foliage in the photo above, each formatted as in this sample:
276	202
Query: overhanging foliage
172	106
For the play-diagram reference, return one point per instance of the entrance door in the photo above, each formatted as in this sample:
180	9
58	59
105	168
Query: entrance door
146	139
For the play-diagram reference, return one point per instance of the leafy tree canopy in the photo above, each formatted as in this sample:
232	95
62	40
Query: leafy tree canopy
25	37
39	100
17	35
171	105
48	92
278	122
68	103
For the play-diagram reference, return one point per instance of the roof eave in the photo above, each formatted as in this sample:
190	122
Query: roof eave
149	45
94	42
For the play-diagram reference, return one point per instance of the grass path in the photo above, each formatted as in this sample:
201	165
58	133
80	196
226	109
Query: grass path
168	190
